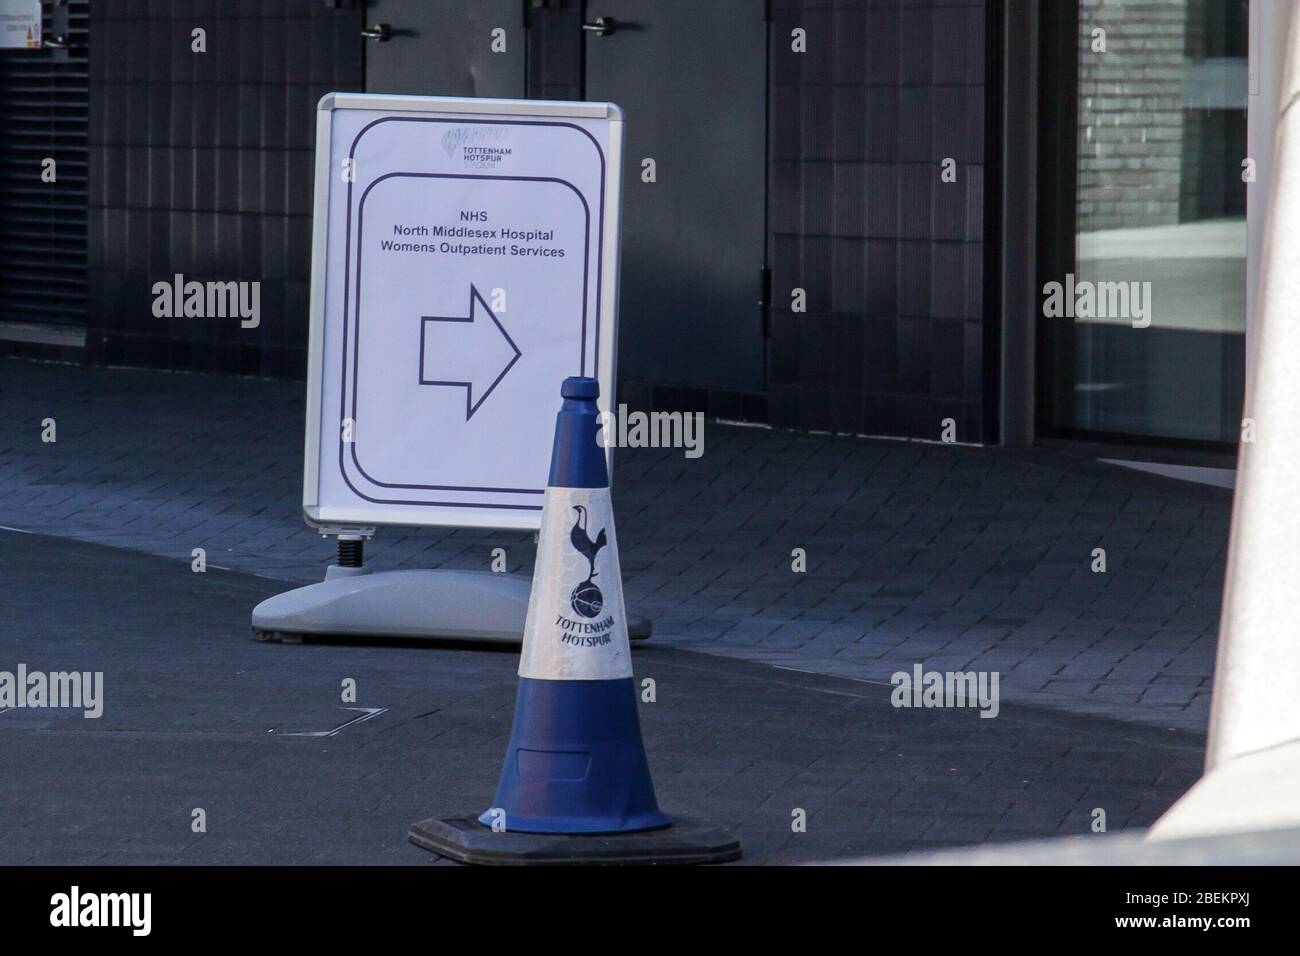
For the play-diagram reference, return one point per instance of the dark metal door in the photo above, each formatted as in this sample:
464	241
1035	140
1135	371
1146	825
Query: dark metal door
445	47
692	80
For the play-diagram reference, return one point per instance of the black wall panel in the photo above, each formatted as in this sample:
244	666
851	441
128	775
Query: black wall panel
890	257
555	48
43	110
201	164
444	48
690	78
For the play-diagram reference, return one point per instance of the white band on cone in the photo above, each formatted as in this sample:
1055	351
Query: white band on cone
576	627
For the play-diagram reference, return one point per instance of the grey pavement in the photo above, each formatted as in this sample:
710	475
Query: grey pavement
956	558
197	716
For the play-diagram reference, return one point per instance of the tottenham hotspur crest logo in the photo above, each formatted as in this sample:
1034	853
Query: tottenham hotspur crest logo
586	598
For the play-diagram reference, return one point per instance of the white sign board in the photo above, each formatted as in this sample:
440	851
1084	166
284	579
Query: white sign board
20	24
464	263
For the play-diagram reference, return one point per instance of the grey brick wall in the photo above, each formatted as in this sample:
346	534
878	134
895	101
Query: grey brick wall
1131	126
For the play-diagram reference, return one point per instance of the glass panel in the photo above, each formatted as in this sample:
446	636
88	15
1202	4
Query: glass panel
1159	300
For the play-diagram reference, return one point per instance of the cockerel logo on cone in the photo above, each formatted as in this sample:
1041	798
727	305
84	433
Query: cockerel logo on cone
586	598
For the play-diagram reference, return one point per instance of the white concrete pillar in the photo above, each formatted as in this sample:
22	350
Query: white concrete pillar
1269	21
1256	702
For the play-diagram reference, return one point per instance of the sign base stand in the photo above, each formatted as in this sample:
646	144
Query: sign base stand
684	841
417	605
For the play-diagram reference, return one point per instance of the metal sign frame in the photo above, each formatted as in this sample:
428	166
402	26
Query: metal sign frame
606	350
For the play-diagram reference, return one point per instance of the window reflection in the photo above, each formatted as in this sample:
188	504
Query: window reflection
1160	218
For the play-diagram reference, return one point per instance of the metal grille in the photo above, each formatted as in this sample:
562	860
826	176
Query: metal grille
44	104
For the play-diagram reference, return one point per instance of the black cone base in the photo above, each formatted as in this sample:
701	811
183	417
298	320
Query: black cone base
466	840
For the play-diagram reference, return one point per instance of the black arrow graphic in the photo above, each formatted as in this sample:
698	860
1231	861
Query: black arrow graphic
467	352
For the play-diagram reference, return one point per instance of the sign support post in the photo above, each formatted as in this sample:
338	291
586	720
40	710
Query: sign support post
464	263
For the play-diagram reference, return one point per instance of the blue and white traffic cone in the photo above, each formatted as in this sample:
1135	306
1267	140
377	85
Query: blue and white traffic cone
576	763
575	786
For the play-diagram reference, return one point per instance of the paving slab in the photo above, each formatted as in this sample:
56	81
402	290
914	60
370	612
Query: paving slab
198	716
975	557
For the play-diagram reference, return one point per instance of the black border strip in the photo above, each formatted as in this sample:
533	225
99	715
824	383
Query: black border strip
994	186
